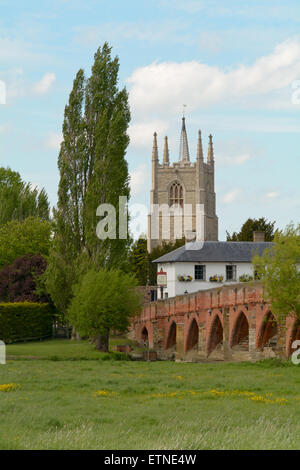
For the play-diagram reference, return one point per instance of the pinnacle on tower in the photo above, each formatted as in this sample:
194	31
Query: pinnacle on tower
210	154
166	151
199	147
154	148
184	155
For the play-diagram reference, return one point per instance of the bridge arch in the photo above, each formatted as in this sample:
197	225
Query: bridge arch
240	333
216	334
192	336
171	338
268	331
144	334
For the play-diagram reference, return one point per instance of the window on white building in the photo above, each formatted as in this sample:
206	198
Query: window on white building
230	273
200	273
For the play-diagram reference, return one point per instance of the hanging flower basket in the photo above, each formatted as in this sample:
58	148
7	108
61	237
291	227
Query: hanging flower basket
184	278
216	278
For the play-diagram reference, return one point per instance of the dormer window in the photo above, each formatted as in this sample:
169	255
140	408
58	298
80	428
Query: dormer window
176	194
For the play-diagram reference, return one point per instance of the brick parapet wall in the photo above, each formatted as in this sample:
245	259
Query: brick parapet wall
203	306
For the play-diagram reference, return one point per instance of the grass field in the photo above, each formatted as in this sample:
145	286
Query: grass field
61	349
140	405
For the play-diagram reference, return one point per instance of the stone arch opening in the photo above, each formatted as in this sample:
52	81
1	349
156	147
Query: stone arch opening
268	333
295	336
171	341
144	335
240	337
193	335
216	335
176	194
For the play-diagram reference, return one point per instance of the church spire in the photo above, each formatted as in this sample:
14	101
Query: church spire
199	147
184	155
210	155
154	148
166	151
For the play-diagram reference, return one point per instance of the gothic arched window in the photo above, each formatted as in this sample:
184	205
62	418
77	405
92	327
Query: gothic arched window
176	194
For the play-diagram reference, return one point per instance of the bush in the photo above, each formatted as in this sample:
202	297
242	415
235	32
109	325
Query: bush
114	356
245	278
19	281
24	321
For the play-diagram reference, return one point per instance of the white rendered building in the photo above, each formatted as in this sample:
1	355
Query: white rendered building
204	265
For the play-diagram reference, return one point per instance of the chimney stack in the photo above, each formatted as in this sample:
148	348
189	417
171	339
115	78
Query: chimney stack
258	236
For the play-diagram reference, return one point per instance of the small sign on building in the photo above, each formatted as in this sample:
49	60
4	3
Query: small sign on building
162	278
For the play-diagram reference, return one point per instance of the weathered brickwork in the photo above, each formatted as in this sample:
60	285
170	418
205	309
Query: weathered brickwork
227	323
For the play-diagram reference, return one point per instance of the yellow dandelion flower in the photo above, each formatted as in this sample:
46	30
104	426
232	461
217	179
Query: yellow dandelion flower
9	387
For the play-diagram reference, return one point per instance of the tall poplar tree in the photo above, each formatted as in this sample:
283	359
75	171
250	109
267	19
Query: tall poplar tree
107	118
93	171
69	240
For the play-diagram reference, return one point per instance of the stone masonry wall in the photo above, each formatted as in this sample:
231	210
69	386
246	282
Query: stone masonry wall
226	323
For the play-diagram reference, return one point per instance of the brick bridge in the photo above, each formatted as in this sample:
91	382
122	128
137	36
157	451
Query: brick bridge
225	323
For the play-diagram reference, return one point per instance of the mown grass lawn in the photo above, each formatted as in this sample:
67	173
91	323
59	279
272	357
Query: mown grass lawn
140	405
61	349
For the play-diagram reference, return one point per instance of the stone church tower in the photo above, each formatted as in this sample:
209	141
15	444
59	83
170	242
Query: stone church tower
179	184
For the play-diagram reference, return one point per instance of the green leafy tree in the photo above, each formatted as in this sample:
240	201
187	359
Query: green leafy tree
29	237
279	270
107	118
158	251
69	237
104	301
250	226
93	170
19	200
139	261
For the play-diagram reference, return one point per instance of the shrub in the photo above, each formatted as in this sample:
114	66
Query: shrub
18	281
23	321
245	278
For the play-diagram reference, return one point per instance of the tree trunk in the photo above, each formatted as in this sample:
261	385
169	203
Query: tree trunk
75	335
101	342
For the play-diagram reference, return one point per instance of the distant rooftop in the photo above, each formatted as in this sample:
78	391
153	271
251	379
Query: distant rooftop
209	251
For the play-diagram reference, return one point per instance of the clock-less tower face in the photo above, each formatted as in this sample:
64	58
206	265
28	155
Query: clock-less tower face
182	184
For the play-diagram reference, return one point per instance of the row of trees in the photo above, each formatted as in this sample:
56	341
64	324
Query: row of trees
87	279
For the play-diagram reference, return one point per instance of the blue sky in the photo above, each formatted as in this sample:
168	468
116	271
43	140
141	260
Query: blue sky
235	64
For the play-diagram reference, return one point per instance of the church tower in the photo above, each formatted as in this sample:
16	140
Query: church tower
181	188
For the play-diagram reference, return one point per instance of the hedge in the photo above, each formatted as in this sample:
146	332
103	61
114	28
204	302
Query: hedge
24	321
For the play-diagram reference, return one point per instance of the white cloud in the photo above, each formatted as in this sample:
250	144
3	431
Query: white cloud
228	160
14	82
14	50
3	129
210	41
141	133
53	140
44	85
235	151
230	196
160	87
138	179
272	195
